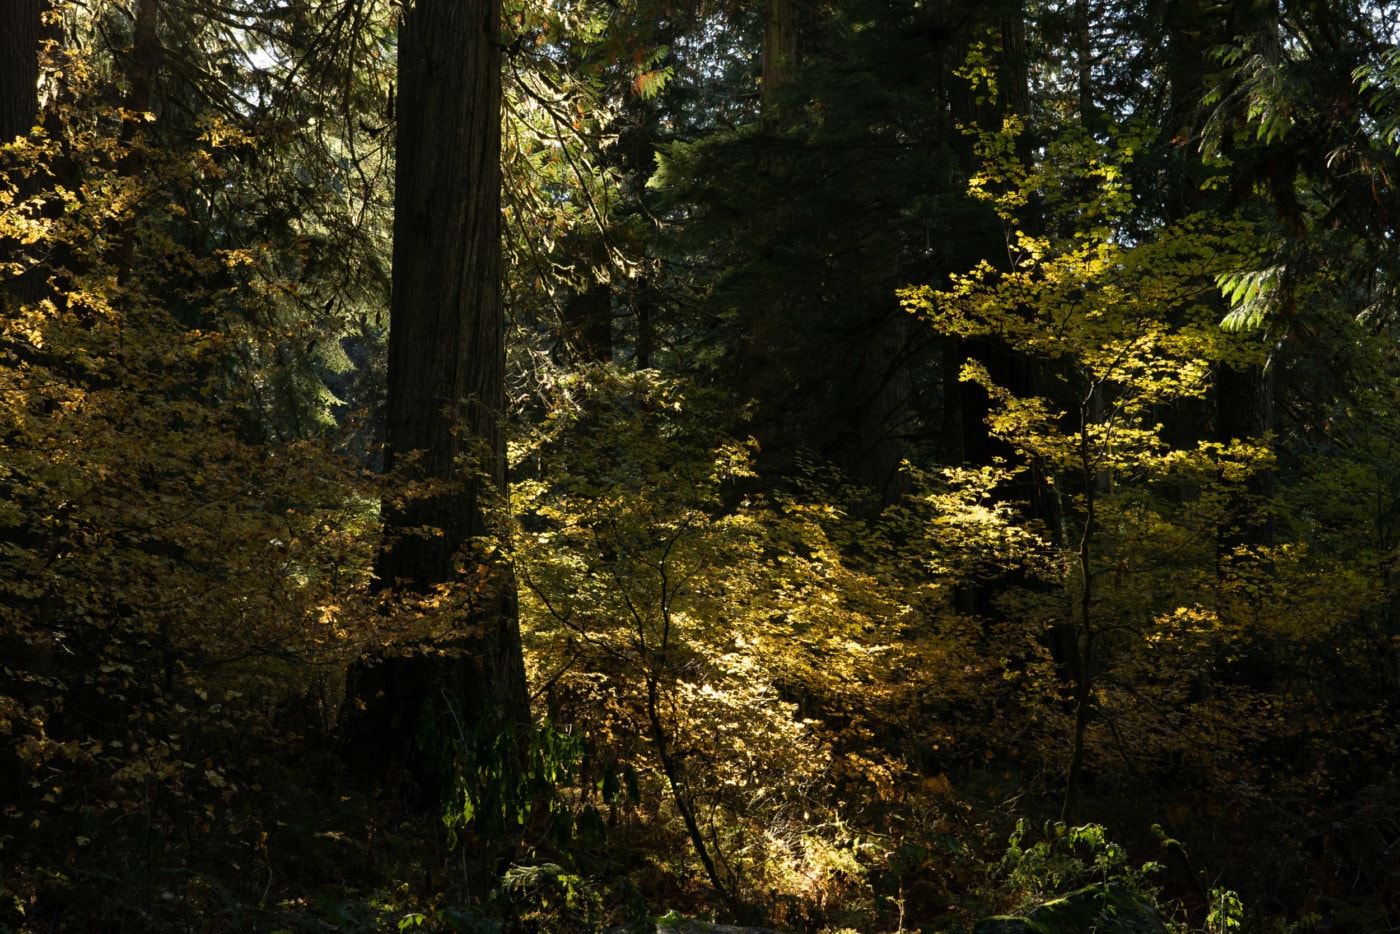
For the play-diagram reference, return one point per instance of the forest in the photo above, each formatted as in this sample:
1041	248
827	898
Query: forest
825	466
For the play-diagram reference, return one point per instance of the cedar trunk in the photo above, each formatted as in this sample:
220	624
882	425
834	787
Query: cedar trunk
21	34
21	30
446	403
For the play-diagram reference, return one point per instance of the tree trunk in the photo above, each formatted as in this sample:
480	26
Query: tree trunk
588	324
1084	62
881	417
1244	398
779	54
21	33
21	29
446	404
761	372
646	330
1244	392
139	66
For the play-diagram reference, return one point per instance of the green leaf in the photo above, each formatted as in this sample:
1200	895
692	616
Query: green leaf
1251	294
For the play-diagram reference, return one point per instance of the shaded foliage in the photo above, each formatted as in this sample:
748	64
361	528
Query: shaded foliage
981	419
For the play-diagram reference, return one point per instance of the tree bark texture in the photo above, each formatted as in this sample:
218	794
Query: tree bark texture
21	30
447	345
779	55
446	402
21	34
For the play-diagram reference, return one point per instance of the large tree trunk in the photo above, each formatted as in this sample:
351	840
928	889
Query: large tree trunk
21	29
446	404
21	33
761	375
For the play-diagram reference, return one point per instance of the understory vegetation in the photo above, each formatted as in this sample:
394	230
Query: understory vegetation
951	460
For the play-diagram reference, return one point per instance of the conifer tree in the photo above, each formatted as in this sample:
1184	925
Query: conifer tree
446	401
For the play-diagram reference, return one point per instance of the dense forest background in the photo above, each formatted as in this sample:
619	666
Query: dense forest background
833	464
